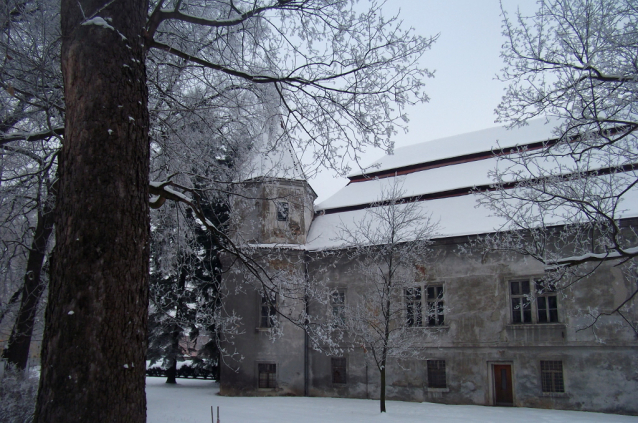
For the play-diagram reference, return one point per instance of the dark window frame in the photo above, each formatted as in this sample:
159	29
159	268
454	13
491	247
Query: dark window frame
552	378
283	211
437	378
521	300
338	306
546	302
267	375
413	308
435	305
267	312
339	370
532	301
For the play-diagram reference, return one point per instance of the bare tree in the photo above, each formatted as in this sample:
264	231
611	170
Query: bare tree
574	63
30	119
341	79
386	245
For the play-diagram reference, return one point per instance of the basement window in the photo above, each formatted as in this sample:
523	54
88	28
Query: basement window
552	376
267	375
436	374
338	366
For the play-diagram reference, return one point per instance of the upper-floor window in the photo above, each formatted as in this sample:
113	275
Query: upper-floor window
435	305
338	304
268	311
432	302
413	307
546	302
533	301
282	210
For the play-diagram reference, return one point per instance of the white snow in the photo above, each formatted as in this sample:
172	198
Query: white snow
418	183
272	159
457	216
191	400
98	21
473	142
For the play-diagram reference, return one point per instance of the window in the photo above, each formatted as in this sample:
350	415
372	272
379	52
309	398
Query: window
338	304
552	376
282	211
267	312
267	375
539	305
435	305
521	302
546	302
436	374
338	365
413	307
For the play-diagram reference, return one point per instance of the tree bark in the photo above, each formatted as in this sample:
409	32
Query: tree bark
93	359
171	372
17	351
176	333
382	396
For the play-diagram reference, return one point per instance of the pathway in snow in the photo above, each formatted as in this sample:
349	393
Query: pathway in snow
190	401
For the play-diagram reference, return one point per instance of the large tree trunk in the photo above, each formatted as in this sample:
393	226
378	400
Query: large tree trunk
17	351
96	321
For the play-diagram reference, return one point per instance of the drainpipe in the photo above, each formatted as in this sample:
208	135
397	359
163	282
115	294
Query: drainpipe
305	332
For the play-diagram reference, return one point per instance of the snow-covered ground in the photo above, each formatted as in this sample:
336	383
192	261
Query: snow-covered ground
190	401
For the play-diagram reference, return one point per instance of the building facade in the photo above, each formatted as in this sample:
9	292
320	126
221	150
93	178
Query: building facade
489	331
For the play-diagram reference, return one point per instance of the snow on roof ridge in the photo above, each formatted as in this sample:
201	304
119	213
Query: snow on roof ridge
481	141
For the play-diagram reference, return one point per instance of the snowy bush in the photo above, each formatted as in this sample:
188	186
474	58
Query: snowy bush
17	396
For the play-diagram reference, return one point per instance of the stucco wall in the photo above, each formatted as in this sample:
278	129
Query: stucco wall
598	363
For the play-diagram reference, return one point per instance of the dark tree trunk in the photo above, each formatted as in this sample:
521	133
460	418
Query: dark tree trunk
171	372
13	300
93	359
17	351
382	396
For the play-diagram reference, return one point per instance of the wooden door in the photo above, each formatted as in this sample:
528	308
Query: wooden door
503	393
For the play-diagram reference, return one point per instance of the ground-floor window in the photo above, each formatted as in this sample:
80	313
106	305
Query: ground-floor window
267	375
552	376
338	365
436	374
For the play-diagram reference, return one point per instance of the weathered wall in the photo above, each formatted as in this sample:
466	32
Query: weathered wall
254	213
598	363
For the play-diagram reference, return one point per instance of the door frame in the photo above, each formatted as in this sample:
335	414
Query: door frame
491	381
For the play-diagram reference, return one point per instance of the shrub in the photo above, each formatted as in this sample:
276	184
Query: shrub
17	396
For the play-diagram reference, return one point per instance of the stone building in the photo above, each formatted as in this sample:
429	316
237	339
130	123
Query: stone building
493	340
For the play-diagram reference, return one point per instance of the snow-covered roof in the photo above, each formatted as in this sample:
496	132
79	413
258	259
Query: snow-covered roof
428	181
444	192
456	216
470	143
272	158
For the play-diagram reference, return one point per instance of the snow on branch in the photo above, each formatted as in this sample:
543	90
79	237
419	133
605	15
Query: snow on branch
31	136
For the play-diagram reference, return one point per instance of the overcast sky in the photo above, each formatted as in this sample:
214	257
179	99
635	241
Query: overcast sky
464	92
